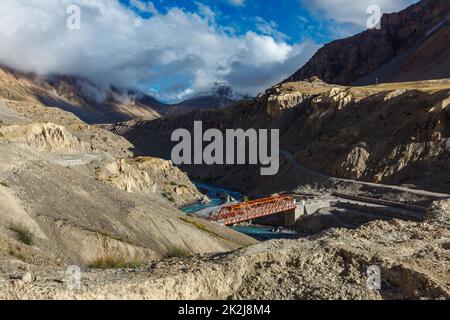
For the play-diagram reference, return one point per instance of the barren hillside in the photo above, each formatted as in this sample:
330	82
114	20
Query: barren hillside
393	133
81	97
74	193
411	45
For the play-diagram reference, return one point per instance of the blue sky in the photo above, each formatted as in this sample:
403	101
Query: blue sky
287	20
174	49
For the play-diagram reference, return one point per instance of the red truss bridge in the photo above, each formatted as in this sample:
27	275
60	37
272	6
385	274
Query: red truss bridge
245	211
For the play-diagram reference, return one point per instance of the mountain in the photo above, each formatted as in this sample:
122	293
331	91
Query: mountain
411	45
73	193
97	104
87	100
389	133
219	96
91	102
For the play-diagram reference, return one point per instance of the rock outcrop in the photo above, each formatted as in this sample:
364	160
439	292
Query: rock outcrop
149	175
354	164
282	102
439	213
411	45
45	137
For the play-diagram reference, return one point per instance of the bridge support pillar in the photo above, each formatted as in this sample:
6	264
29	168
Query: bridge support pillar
291	217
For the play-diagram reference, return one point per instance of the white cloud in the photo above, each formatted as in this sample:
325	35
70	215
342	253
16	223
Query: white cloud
174	52
247	76
237	3
205	11
351	11
269	28
147	7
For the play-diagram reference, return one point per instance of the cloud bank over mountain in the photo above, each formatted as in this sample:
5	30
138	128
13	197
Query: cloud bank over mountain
171	54
169	51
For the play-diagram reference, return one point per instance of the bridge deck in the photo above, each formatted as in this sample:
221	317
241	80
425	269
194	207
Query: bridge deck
245	211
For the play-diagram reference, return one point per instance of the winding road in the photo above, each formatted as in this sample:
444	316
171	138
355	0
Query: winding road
296	164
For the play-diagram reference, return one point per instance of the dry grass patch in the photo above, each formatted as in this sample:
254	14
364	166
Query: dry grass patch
176	252
22	234
114	261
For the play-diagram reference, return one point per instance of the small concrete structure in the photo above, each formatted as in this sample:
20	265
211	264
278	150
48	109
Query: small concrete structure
313	206
305	208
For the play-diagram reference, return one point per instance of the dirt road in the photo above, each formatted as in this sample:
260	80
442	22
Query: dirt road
296	164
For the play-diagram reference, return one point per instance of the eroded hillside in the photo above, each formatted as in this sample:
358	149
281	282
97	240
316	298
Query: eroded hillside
75	193
90	102
392	134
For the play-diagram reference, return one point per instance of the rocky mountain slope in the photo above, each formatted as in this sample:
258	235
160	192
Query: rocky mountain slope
411	45
83	98
394	133
95	104
74	193
412	257
220	96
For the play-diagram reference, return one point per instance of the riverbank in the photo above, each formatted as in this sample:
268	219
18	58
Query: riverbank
217	196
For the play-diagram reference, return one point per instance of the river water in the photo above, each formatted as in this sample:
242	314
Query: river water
218	197
215	194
